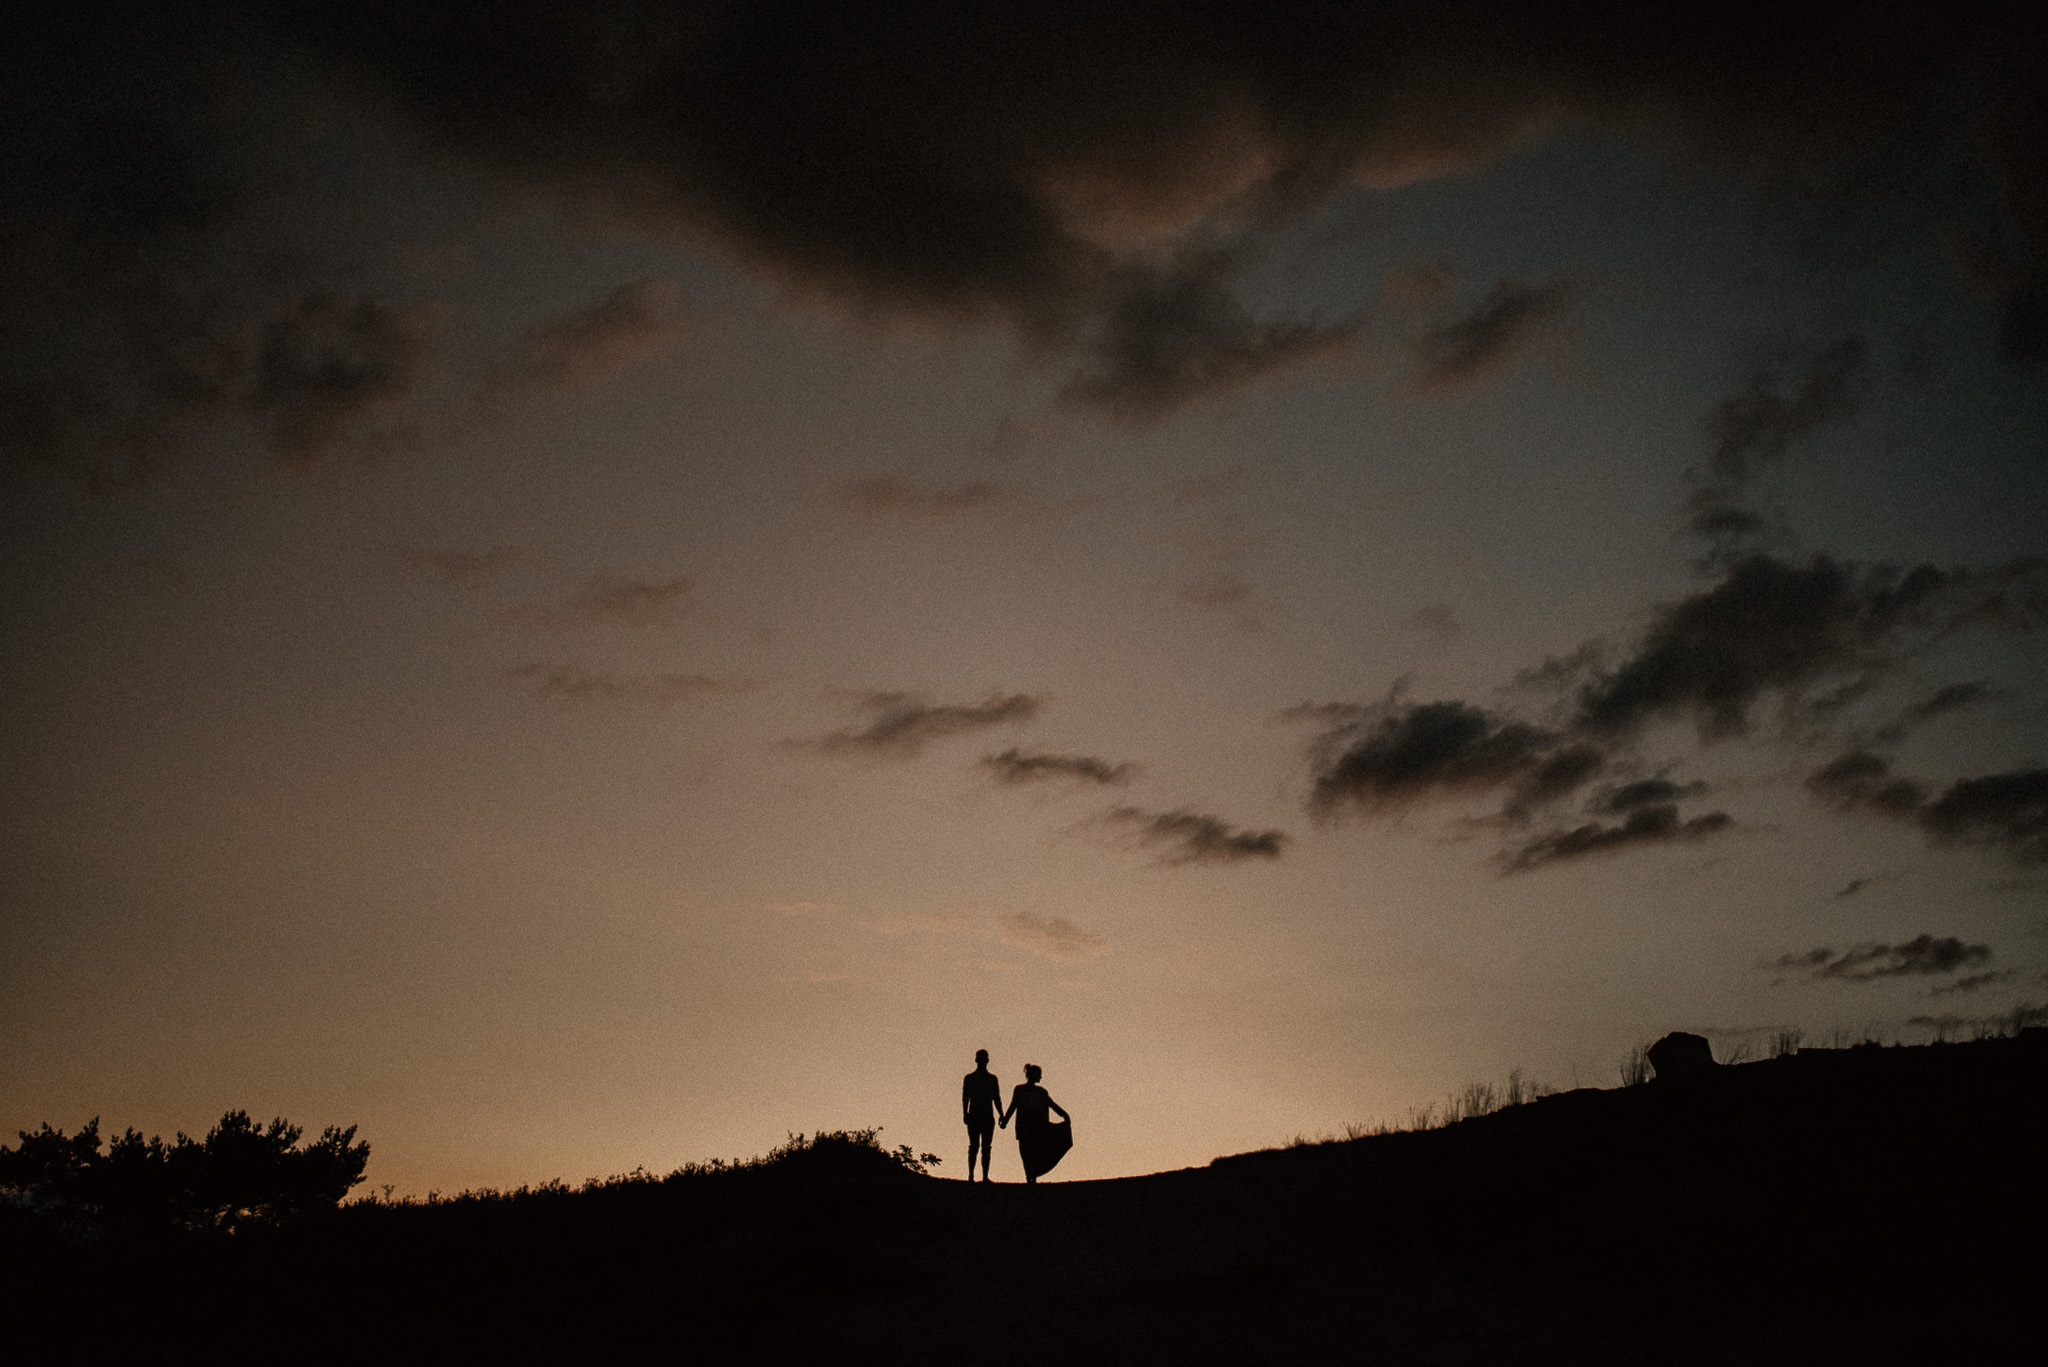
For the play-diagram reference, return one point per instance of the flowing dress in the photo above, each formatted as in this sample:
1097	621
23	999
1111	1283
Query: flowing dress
1041	1140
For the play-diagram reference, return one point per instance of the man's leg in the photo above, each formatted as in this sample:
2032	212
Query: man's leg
983	1134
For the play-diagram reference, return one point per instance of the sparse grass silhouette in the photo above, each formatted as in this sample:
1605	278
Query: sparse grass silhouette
1476	1098
828	1153
1481	1098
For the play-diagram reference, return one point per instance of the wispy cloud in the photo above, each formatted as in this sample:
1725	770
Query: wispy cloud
1923	956
803	908
1653	825
566	684
1436	621
1955	697
902	724
1786	399
946	921
1973	982
1185	837
1014	766
587	346
331	363
631	601
1173	334
894	496
1478	347
1054	938
464	567
1646	792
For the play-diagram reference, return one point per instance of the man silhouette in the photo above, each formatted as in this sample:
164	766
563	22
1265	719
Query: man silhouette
981	1096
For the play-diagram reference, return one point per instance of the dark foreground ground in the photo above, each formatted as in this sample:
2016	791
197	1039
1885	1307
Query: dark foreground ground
1870	1205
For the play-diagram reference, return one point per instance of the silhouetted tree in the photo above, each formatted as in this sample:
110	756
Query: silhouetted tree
241	1175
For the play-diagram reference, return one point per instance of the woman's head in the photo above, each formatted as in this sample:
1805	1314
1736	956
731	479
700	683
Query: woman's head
1032	1072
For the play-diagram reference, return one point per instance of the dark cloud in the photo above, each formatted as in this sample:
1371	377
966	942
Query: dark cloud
2010	261
1471	350
894	496
1851	888
1559	775
331	363
125	330
904	723
1861	779
1924	955
1015	766
1719	521
1186	837
2007	812
617	599
1646	792
1407	754
649	690
587	346
1769	627
1038	165
1655	825
1767	630
1103	180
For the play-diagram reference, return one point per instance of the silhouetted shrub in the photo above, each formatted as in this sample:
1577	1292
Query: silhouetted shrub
848	1151
240	1176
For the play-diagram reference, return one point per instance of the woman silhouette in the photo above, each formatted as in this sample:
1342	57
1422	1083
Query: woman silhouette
1040	1143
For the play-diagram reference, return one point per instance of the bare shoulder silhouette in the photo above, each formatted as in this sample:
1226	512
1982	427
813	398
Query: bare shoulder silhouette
1041	1141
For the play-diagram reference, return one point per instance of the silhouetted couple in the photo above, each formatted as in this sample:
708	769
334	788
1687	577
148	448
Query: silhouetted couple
1040	1142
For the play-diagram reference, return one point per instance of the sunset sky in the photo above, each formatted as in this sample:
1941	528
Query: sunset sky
588	586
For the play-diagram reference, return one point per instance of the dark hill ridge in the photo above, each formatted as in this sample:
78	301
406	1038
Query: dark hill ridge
1860	1205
